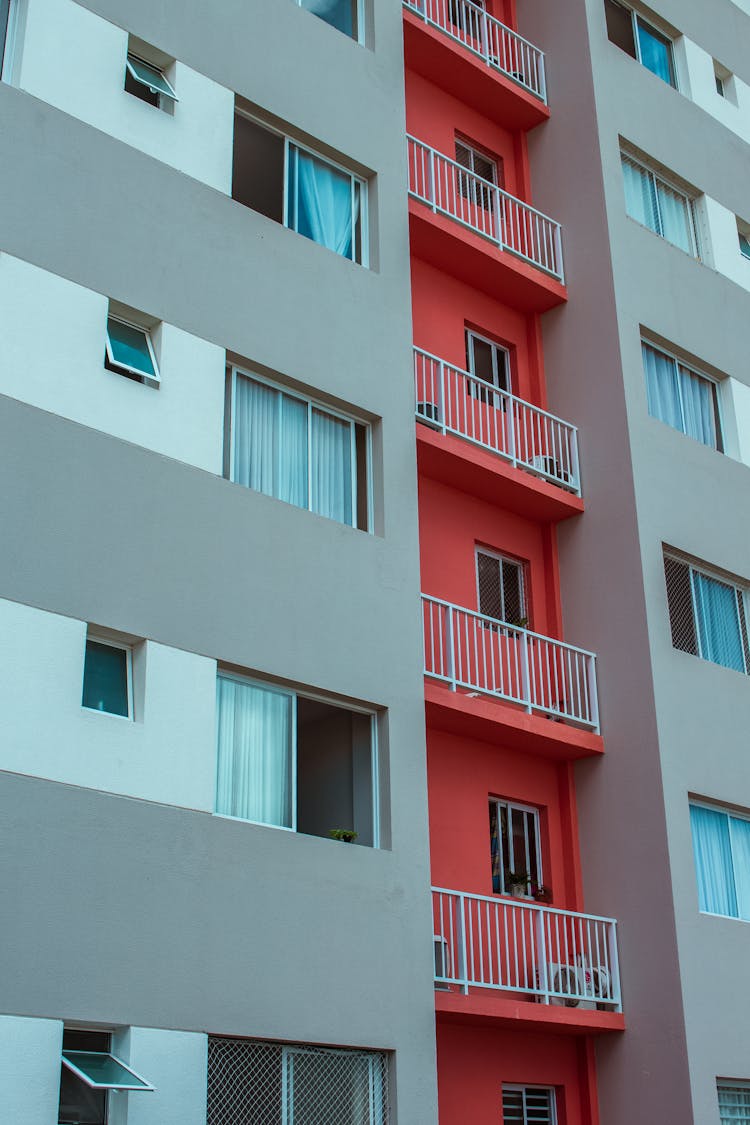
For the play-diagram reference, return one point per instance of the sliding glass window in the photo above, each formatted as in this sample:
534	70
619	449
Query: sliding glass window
658	205
681	397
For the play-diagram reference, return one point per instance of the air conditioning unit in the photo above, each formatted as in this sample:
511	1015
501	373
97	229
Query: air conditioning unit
551	467
569	979
442	962
429	412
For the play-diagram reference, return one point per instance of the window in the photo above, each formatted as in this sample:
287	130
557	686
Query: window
500	585
295	762
528	1105
129	351
346	15
108	677
707	615
299	451
294	186
4	25
629	31
721	848
486	167
682	397
514	846
145	81
734	1103
662	208
491	363
254	1081
89	1071
743	236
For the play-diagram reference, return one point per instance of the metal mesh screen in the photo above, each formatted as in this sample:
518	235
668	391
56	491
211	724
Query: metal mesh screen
256	1083
680	599
528	1105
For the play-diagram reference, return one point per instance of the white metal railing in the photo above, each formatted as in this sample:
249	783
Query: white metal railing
457	402
470	650
558	956
450	189
501	49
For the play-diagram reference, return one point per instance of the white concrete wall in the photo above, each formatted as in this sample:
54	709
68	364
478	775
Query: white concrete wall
52	335
75	60
697	81
167	753
29	1070
736	418
725	255
175	1063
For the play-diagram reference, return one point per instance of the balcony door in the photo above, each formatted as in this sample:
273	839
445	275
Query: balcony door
489	362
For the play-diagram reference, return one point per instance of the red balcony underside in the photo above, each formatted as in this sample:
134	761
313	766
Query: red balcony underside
453	68
471	469
493	720
458	251
509	1010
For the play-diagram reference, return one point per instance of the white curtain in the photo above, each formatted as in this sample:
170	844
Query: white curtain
713	861
270	441
698	407
331	467
676	224
255	756
640	196
322	202
661	387
739	834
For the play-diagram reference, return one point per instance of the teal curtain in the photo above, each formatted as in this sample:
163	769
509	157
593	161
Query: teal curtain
320	202
739	836
718	622
656	53
712	850
105	679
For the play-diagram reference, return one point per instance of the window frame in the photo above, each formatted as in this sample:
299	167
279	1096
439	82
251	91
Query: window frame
236	370
168	93
522	566
730	814
732	1085
294	695
690	201
716	392
124	368
360	7
98	639
515	1087
527	810
638	20
355	180
8	41
142	1084
470	336
741	598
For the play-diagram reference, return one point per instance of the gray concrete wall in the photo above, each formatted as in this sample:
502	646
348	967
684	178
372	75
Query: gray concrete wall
143	914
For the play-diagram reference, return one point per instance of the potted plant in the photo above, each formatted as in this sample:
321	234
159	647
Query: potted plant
517	883
541	893
346	835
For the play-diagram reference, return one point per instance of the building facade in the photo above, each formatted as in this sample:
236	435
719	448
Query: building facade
279	845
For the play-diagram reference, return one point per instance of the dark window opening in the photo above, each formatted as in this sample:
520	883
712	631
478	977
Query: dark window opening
258	168
79	1104
620	27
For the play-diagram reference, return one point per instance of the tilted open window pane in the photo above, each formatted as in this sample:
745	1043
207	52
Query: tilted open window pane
514	846
106	678
341	14
286	446
129	349
490	362
103	1072
681	397
148	75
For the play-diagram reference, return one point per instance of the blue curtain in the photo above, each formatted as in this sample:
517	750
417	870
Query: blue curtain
338	13
656	54
320	202
713	861
662	387
718	622
739	835
255	755
640	195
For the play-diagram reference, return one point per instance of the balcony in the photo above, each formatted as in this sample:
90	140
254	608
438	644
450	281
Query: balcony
491	953
504	434
472	55
481	233
542	679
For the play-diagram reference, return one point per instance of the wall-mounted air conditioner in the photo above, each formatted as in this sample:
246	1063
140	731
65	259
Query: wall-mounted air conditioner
429	412
551	467
574	982
442	961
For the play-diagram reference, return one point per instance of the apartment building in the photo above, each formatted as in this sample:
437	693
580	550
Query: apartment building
311	310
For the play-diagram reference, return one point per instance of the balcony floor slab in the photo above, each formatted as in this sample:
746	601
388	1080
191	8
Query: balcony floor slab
451	66
499	1010
463	465
460	252
494	720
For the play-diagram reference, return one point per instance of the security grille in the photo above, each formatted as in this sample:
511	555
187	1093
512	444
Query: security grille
501	593
706	615
528	1105
734	1105
256	1083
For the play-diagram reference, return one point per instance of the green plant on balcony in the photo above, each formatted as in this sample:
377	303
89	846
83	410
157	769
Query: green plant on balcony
517	883
346	835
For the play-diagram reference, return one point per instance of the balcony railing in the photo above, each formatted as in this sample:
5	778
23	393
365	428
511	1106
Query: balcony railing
484	36
556	956
456	402
470	650
450	189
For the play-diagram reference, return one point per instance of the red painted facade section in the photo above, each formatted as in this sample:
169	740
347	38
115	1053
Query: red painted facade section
478	747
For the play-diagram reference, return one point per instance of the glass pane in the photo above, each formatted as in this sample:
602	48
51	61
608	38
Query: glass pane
79	1103
640	195
496	848
320	202
698	407
4	13
293	439
718	622
104	1070
255	755
744	245
341	14
513	593
713	861
130	347
656	52
149	76
739	834
662	387
490	590
676	218
734	1105
331	467
521	861
105	678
